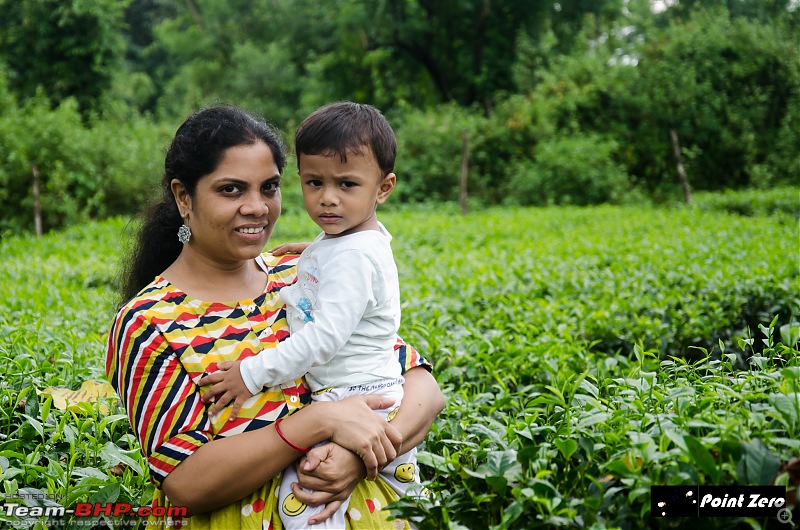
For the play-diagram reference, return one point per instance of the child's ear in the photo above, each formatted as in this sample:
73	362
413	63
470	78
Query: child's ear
387	185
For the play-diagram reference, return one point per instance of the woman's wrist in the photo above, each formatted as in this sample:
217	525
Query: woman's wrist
286	440
324	414
307	427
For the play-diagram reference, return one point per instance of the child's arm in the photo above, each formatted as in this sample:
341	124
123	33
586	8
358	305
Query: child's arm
229	387
289	248
345	290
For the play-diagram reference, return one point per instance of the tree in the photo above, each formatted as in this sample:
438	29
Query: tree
723	84
69	49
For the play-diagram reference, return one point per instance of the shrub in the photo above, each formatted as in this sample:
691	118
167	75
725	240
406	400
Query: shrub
780	201
87	170
578	169
429	152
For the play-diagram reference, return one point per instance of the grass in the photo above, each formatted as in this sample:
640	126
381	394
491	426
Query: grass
586	354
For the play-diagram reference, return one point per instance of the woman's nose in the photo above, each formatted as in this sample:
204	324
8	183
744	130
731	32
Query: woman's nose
254	204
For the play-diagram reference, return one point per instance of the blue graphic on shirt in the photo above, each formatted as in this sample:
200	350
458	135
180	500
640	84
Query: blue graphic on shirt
304	304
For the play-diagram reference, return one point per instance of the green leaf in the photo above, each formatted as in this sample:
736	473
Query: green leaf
36	424
566	446
499	465
592	419
485	432
702	458
786	406
32	406
790	334
113	455
791	373
512	513
105	495
502	463
46	408
759	465
432	460
498	484
618	468
543	488
677	438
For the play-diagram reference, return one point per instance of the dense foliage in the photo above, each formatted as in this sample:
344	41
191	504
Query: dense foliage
555	103
586	354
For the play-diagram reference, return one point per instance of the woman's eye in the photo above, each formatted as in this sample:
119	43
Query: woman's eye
270	187
230	188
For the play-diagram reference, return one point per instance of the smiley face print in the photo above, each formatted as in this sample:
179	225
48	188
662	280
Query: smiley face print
291	506
404	472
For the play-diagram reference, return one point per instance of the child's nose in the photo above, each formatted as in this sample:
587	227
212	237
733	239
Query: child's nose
329	197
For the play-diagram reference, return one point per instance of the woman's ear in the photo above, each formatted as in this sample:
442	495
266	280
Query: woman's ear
182	198
387	185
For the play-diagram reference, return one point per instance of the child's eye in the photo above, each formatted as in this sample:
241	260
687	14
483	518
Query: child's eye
348	184
313	183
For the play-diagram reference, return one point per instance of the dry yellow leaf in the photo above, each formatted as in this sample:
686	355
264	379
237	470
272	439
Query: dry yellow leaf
89	392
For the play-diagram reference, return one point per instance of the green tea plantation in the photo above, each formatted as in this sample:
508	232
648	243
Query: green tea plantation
586	354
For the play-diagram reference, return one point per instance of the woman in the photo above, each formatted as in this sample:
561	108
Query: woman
211	298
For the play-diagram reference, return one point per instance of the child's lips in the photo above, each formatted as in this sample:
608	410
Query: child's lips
329	217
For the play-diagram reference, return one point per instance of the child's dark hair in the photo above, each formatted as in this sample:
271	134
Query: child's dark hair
197	149
345	126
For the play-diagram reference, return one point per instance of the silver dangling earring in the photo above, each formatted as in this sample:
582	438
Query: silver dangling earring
184	233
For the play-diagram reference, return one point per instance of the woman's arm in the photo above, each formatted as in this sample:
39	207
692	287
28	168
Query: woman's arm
422	402
227	469
333	474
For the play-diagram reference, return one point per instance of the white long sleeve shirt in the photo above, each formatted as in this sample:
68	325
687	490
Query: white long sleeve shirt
343	314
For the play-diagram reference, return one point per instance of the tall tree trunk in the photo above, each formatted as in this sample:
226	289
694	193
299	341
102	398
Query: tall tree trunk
37	211
462	178
194	13
676	149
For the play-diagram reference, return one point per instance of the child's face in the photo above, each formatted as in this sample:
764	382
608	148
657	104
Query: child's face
341	197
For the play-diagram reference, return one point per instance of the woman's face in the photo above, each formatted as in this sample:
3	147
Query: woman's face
234	209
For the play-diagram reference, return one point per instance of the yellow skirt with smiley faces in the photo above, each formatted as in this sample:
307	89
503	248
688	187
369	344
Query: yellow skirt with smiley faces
260	511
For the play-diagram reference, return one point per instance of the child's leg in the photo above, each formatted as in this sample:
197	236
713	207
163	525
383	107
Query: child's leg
402	474
295	514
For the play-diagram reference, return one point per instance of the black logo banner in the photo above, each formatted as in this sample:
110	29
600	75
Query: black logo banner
717	501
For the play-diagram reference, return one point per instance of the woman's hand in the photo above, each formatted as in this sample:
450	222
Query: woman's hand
289	248
356	427
333	473
229	385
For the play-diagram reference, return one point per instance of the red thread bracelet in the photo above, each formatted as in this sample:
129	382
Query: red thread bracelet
285	439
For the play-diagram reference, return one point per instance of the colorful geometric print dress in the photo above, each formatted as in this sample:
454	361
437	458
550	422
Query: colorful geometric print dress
163	341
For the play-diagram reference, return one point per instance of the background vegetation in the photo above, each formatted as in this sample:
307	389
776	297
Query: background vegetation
568	102
629	346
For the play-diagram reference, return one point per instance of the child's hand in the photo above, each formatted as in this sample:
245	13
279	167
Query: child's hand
229	385
289	248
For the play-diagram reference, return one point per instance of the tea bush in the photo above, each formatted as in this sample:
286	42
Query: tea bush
579	350
779	201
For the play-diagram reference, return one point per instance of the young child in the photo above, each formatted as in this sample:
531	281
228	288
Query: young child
344	310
